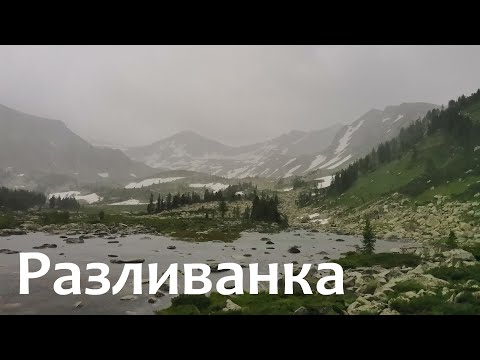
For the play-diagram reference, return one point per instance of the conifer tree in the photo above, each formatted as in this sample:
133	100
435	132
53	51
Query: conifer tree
150	206
452	240
222	207
51	203
368	238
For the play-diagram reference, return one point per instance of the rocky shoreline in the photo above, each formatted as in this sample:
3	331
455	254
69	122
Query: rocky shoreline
395	217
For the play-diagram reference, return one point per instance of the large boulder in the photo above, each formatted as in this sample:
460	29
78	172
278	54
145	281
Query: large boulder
231	306
362	306
465	226
432	221
458	255
388	311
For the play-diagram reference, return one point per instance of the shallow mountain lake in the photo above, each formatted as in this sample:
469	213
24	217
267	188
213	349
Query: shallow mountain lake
314	247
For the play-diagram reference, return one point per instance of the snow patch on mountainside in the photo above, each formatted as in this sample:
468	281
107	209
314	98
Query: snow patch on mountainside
150	182
235	172
346	158
320	221
128	202
289	161
386	119
345	140
213	186
103	175
90	198
291	171
273	172
398	118
319	159
330	162
300	140
324	182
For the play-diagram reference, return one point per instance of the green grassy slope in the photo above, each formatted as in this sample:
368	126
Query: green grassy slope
394	176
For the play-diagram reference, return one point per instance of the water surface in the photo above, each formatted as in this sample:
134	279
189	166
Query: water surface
314	248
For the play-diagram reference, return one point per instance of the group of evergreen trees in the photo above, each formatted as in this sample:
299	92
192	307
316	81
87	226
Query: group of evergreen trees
265	208
310	197
20	200
169	202
172	202
67	203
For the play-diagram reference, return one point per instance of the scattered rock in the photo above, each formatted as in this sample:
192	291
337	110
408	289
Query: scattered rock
214	268
113	242
152	300
78	304
128	298
171	247
301	311
74	241
388	311
293	250
128	261
231	306
269	242
46	246
159	294
8	251
459	254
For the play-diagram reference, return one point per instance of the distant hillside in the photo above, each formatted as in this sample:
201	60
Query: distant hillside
32	147
437	156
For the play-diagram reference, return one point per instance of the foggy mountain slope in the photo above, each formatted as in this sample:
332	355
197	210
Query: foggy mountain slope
31	144
294	153
190	151
368	131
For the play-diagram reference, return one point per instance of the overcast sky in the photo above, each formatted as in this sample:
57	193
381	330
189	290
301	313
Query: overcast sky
134	95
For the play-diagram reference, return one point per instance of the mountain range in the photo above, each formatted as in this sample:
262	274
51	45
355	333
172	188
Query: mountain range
36	150
295	153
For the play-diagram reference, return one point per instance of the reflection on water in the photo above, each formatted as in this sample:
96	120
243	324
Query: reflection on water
314	248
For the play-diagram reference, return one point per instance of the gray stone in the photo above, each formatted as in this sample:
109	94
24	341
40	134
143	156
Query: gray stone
231	306
127	261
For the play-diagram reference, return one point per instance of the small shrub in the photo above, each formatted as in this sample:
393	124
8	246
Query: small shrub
8	221
55	217
457	274
386	260
200	301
